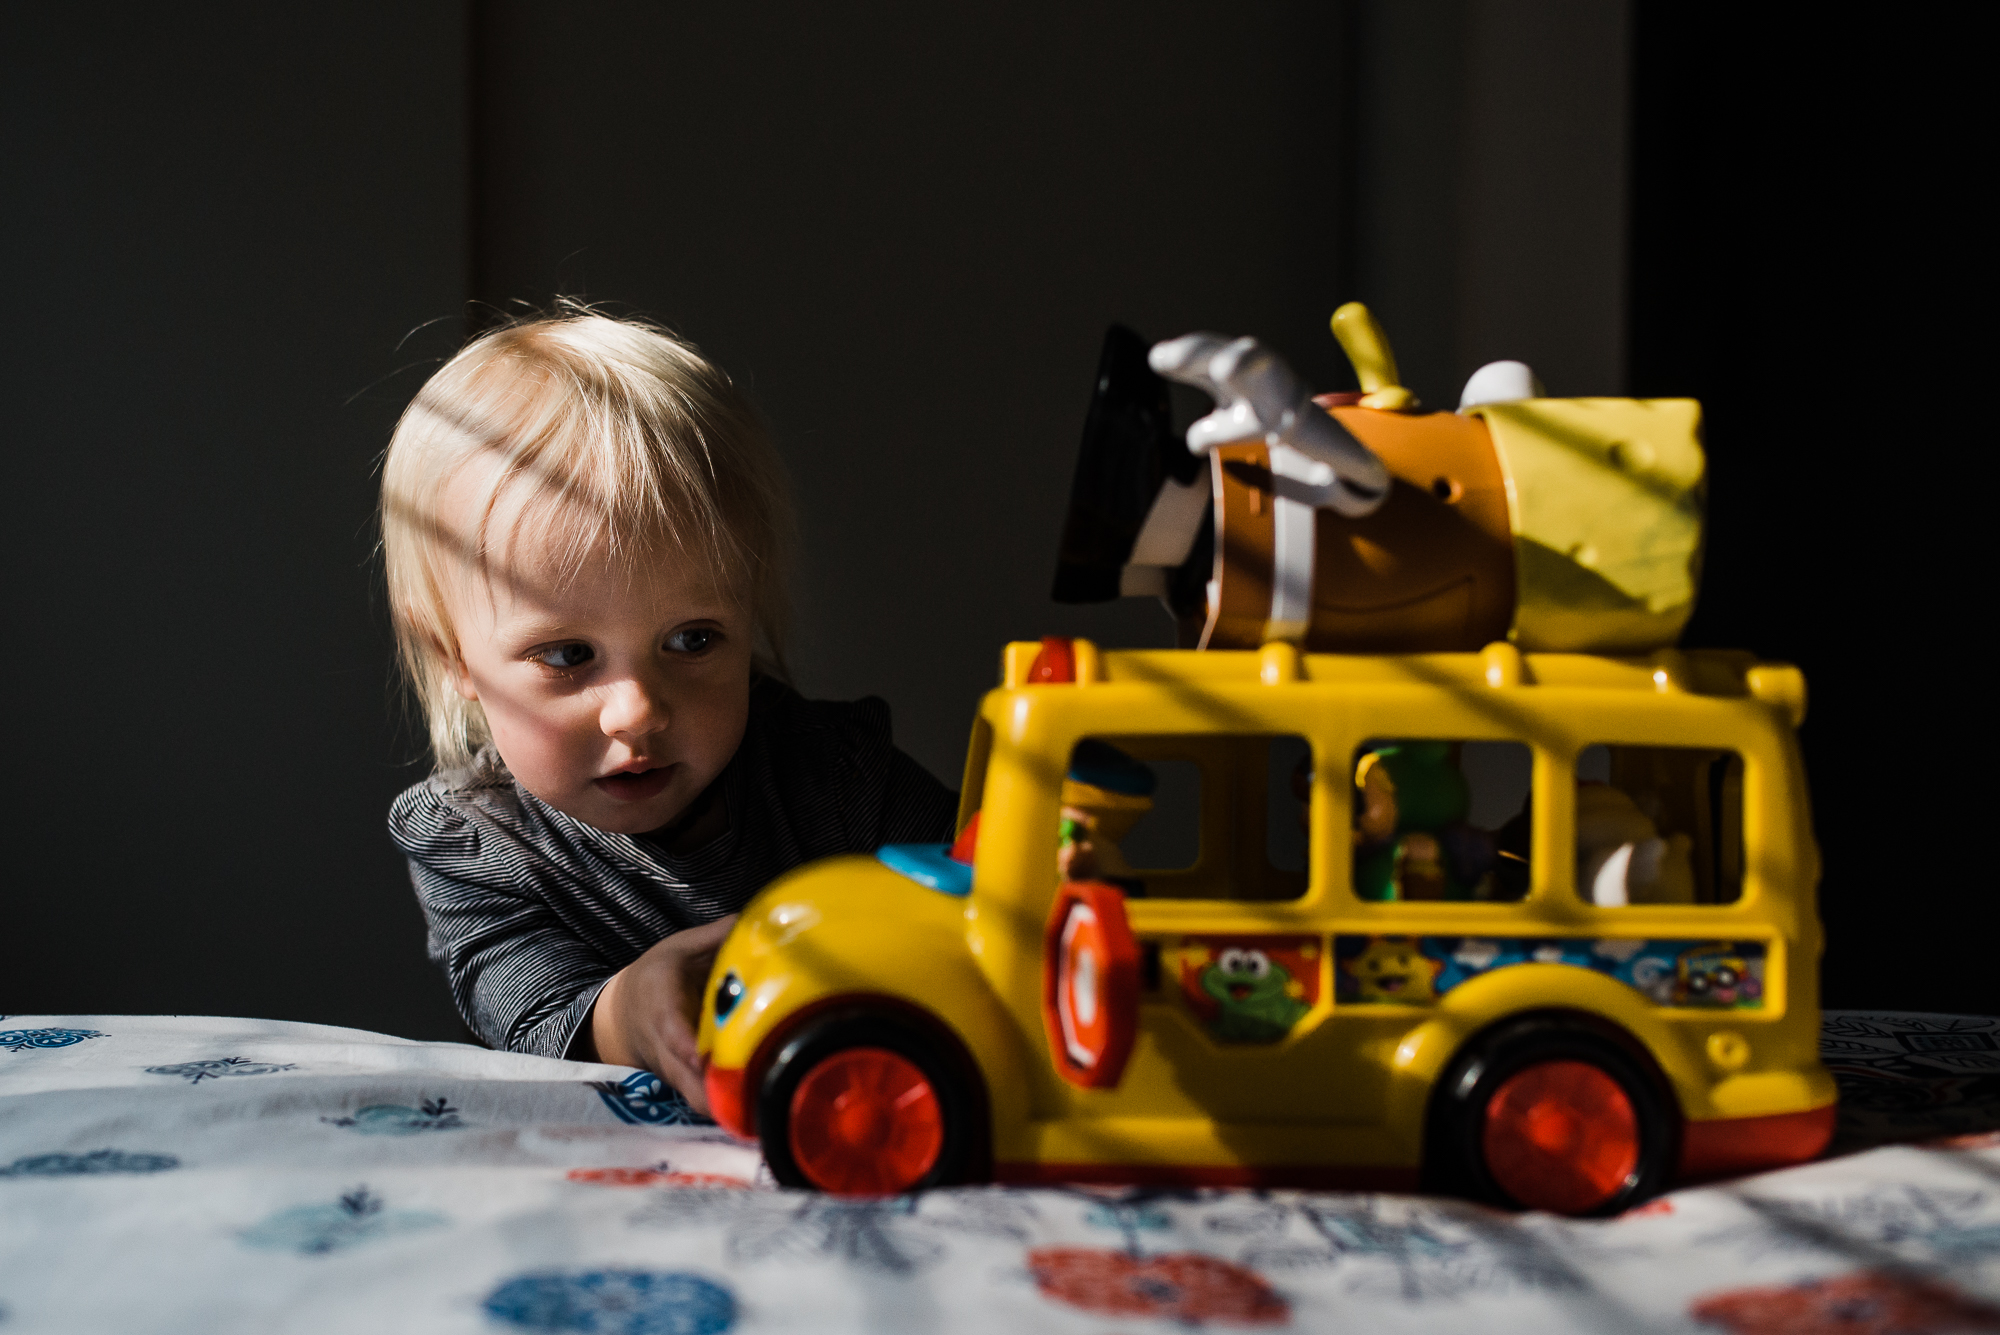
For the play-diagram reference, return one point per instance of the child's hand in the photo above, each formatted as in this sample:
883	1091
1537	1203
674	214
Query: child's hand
646	1014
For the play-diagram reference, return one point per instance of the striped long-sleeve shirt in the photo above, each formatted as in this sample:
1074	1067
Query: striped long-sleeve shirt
530	910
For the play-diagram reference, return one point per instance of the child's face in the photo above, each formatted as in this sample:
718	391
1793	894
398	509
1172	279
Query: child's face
614	696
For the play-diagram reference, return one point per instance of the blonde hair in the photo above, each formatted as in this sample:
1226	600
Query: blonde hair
632	441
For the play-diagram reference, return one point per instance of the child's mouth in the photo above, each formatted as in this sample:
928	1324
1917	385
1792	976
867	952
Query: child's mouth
636	786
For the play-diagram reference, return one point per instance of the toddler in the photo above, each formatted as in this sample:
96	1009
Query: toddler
584	528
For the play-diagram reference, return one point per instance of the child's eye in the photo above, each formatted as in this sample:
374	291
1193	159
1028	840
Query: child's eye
565	656
693	641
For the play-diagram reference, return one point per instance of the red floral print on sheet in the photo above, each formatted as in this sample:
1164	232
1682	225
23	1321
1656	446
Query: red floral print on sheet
1180	1286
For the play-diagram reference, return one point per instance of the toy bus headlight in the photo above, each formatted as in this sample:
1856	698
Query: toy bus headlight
727	993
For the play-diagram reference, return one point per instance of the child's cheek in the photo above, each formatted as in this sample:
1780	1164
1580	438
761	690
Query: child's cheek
713	716
549	745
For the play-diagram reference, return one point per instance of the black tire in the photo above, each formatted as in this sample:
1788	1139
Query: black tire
1454	1152
966	1152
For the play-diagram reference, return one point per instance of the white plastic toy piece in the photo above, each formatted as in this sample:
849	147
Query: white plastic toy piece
1608	888
1614	876
1172	524
1500	382
1315	462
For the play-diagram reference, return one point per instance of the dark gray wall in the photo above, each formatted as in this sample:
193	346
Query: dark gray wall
219	223
907	228
1489	186
1808	252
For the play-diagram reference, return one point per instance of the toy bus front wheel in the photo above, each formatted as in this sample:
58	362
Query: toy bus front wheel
869	1103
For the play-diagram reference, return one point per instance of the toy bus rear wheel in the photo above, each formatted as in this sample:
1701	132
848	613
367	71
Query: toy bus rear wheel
870	1103
1552	1112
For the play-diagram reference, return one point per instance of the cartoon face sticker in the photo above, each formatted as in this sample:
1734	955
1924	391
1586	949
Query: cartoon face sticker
1714	976
1250	989
1254	996
1392	969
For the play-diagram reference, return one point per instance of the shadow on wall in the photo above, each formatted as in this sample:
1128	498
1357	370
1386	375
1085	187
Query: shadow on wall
909	230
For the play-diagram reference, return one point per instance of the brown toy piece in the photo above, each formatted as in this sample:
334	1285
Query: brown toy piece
1432	570
1561	525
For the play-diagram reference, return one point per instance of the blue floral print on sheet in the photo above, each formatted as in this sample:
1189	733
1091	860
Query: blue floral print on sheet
615	1302
643	1099
356	1217
899	1236
389	1119
198	1071
97	1161
20	1040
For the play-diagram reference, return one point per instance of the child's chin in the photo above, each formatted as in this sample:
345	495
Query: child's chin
626	818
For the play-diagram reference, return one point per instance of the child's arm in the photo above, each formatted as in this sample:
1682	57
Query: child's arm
520	976
645	1016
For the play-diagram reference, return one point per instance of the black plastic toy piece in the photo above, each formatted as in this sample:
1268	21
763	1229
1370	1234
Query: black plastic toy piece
1129	451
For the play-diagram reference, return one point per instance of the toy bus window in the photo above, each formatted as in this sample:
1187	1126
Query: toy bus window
1441	819
1199	816
1167	835
1289	771
1659	825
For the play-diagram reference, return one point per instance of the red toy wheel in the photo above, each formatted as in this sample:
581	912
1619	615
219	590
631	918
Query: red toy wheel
865	1121
1553	1110
873	1098
1561	1135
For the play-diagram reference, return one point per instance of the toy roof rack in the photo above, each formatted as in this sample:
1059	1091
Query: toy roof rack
1499	665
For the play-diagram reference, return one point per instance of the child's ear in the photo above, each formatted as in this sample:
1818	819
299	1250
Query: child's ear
454	670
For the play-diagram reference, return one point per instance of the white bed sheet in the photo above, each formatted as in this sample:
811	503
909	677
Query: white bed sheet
183	1173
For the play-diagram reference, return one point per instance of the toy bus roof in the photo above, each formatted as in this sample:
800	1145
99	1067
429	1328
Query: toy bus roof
1713	672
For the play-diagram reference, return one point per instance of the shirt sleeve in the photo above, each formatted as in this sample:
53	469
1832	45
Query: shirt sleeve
519	977
522	977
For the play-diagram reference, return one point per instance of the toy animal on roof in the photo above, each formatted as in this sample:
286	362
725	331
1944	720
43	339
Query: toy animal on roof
1355	523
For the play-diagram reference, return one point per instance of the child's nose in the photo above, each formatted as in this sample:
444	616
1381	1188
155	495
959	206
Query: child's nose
632	708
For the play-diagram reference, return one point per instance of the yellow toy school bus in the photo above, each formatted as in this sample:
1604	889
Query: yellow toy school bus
1535	928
